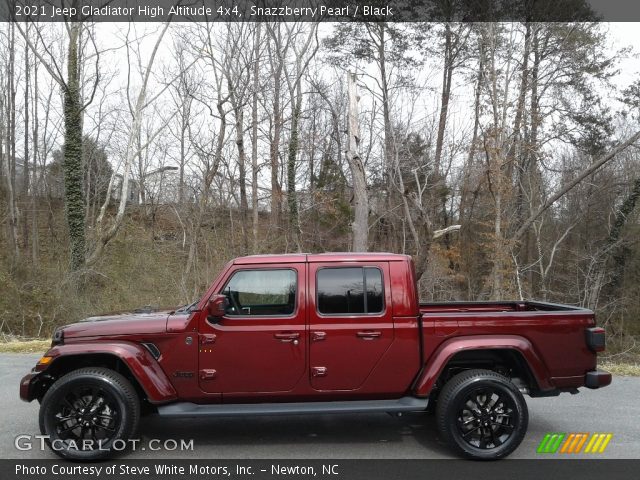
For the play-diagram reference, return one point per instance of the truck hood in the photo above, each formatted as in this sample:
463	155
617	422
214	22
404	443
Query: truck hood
121	323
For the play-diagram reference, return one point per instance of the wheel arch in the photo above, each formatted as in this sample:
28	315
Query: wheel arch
490	352
133	361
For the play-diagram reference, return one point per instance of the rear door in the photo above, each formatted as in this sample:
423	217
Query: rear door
350	320
259	345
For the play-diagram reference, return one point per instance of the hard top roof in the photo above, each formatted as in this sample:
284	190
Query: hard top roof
322	257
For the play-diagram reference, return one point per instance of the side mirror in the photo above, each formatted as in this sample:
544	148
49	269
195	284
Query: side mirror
216	307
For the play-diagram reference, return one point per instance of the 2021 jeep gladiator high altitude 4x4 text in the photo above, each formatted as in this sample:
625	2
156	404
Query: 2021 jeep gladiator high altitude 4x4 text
309	334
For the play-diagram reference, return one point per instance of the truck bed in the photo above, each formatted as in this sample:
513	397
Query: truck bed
495	307
550	330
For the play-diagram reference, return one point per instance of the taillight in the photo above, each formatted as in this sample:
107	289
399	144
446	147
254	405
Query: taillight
596	340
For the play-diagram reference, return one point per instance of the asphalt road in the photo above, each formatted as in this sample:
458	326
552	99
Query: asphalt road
615	409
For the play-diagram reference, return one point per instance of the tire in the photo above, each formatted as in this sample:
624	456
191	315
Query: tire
86	411
482	415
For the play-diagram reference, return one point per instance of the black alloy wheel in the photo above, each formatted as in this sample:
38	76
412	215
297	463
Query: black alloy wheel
486	418
89	414
482	415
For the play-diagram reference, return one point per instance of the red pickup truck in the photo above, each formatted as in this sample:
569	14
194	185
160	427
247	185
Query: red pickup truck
310	334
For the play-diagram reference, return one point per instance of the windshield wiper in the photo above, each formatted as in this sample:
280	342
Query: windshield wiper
188	308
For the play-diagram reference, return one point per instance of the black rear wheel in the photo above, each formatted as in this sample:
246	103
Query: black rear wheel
89	413
482	415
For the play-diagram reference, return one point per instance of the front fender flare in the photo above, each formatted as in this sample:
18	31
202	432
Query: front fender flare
142	365
435	365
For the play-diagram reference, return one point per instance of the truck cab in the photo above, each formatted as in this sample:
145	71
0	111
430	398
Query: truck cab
327	326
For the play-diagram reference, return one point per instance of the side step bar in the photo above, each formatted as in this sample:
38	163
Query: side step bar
187	409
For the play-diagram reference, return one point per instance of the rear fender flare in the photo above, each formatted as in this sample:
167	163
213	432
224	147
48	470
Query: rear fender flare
140	362
436	364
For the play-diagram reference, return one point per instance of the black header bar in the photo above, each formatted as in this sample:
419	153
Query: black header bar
320	10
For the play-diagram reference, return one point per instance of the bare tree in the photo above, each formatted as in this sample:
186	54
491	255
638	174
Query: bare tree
7	134
105	234
277	46
302	56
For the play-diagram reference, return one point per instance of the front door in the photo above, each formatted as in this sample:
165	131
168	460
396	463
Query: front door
351	323
259	345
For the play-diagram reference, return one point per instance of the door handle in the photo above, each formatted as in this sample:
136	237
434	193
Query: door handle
369	334
287	337
318	336
207	374
319	372
207	338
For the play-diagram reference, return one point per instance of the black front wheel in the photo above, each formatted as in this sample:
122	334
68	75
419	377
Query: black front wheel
482	415
89	414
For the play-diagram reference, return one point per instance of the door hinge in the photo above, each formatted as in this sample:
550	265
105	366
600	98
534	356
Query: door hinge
207	374
319	371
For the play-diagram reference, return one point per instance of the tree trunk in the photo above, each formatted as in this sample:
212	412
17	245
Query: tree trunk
274	148
496	174
254	138
529	175
25	160
386	110
613	248
386	118
183	134
292	198
274	152
468	167
34	180
447	74
242	176
72	165
8	159
515	149
360	225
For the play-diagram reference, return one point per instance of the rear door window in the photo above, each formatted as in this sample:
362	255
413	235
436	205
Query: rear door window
349	291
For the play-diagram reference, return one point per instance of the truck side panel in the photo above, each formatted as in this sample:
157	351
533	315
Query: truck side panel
549	334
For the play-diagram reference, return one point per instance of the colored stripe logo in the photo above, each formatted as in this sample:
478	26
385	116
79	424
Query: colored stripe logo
574	442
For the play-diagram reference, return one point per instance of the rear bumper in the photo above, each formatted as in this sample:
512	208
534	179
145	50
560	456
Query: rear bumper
28	386
597	379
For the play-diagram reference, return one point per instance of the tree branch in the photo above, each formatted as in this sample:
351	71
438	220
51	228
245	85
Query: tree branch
570	185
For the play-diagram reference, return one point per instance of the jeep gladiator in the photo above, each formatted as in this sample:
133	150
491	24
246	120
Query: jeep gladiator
311	334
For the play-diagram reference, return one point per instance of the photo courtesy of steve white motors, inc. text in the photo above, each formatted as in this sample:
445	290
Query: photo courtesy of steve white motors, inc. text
192	469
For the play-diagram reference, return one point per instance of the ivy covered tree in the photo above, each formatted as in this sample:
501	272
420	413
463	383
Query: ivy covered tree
72	164
96	173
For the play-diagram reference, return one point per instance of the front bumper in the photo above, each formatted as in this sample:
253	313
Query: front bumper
29	385
597	379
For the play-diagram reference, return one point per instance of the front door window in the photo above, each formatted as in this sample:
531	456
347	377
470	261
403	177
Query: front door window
261	292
